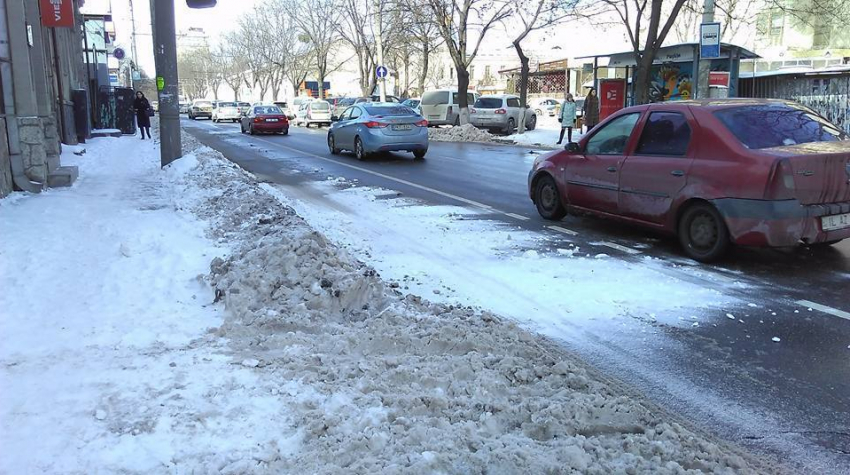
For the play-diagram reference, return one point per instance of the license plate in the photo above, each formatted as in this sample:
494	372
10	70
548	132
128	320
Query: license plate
836	221
402	127
271	120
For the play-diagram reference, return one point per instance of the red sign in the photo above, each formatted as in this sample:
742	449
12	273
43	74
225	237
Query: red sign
718	78
612	96
57	13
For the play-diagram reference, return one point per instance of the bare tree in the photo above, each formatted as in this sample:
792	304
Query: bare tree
732	15
455	20
535	15
193	71
316	21
647	30
232	63
355	27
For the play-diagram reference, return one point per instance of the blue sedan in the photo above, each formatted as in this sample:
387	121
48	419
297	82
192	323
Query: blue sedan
369	128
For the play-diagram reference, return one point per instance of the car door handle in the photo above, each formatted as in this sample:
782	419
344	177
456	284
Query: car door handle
677	173
612	169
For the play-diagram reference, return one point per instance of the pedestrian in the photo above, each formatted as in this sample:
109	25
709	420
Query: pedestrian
143	110
567	118
590	109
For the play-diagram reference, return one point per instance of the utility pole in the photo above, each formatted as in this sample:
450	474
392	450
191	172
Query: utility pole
165	56
135	59
382	84
705	63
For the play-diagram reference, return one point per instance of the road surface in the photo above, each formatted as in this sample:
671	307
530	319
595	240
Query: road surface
788	401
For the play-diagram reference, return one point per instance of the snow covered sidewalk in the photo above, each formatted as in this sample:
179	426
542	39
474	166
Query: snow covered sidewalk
116	358
545	135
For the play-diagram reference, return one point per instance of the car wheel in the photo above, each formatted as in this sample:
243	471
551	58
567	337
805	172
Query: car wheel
358	149
332	145
532	123
703	233
420	154
285	131
242	127
511	126
547	198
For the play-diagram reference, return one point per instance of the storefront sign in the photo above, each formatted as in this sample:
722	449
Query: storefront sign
57	13
718	78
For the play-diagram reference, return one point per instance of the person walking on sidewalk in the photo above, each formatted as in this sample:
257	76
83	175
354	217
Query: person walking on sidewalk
568	118
590	110
143	118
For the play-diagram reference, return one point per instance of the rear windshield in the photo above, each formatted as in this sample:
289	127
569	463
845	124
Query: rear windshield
244	104
345	102
320	106
227	104
435	97
776	125
488	103
389	111
267	110
203	104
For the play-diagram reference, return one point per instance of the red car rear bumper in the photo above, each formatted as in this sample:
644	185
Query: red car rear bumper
271	127
779	223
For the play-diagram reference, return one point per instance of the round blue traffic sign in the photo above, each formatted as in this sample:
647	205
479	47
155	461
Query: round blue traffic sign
118	53
381	71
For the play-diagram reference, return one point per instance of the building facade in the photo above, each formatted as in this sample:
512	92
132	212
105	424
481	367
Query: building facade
40	68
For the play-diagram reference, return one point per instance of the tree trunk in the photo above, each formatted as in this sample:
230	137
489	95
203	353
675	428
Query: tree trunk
423	73
406	92
641	83
363	65
462	88
523	86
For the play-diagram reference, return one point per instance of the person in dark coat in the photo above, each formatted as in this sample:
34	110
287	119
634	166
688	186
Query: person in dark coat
143	118
590	109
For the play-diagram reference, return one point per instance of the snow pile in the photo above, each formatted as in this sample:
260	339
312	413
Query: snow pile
378	381
460	133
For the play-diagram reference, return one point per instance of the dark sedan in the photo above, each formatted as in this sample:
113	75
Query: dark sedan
748	172
265	120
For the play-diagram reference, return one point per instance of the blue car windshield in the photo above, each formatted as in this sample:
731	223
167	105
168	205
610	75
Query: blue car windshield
389	111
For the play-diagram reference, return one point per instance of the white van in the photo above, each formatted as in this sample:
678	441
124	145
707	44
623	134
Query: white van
295	105
441	107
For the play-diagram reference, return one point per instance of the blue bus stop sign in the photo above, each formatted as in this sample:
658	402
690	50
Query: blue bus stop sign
118	53
381	71
709	40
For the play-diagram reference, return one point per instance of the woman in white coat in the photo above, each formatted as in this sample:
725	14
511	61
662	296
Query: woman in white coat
567	118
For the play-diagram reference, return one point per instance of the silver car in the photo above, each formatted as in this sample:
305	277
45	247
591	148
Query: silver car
379	127
226	111
314	112
500	112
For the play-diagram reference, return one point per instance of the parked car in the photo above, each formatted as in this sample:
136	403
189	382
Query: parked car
226	111
155	106
368	128
200	108
314	112
341	104
500	112
714	173
266	120
243	107
283	105
184	107
295	105
546	106
413	104
441	107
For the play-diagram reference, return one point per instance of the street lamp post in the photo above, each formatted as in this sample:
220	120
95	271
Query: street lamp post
165	56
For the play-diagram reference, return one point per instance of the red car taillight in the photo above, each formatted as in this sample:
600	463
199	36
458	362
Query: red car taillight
422	123
375	125
471	110
781	186
500	111
259	119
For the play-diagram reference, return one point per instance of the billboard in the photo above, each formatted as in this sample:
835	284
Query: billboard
612	96
57	13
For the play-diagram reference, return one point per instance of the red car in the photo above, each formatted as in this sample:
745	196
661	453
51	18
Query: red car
744	171
266	120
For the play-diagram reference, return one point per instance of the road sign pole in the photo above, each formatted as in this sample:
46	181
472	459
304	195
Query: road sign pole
382	83
165	56
705	63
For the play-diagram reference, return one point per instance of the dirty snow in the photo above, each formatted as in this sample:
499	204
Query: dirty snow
309	362
460	133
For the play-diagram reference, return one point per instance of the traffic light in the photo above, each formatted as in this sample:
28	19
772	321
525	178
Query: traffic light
200	3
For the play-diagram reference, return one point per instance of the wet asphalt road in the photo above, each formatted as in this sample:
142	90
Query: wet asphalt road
790	401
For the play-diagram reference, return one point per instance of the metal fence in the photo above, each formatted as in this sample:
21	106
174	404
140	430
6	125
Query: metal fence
829	95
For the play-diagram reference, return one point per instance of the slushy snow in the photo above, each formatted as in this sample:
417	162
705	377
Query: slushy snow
122	353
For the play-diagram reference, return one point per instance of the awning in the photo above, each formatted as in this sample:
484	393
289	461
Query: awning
677	53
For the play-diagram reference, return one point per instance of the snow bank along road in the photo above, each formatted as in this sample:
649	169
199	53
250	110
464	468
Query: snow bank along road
755	349
318	365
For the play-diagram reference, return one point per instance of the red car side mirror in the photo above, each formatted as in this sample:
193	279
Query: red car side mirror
572	147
